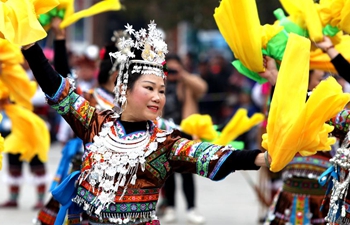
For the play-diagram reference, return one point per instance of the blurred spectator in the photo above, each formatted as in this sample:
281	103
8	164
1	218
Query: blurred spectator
190	62
14	179
241	97
221	69
213	99
183	90
86	70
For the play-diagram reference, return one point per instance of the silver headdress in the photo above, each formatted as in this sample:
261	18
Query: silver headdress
153	49
117	35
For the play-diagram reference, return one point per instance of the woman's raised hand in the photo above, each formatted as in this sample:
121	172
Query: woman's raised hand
271	70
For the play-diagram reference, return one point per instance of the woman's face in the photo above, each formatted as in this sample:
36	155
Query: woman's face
145	101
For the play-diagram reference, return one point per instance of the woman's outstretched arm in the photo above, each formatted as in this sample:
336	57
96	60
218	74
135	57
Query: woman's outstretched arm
48	79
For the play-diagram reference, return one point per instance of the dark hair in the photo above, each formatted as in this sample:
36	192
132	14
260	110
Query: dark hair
174	57
104	71
106	64
310	73
135	76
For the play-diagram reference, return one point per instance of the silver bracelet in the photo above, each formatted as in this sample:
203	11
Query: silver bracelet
266	157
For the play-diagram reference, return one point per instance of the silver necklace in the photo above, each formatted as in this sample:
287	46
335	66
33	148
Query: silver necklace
114	159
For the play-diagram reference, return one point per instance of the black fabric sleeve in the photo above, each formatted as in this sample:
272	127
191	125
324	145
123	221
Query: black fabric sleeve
60	59
238	160
184	135
48	79
342	66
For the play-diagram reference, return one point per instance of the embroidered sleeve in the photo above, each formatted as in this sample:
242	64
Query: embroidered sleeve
202	158
75	109
209	160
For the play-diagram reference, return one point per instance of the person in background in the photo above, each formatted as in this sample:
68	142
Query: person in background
85	70
37	167
339	62
212	101
183	91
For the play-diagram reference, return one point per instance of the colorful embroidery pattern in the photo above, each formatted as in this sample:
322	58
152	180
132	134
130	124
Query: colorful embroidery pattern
177	146
184	147
193	151
119	130
219	164
98	221
156	154
204	160
311	166
161	164
158	165
58	92
341	121
324	163
201	148
133	206
183	158
81	109
62	107
304	186
47	216
300	210
78	106
130	194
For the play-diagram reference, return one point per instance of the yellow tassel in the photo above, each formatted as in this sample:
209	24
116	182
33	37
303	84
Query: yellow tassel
29	134
1	145
199	126
307	11
239	124
14	76
294	125
102	6
239	24
335	13
19	20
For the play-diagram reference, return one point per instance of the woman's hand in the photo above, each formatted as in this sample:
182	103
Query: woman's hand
263	159
327	47
60	34
325	44
271	71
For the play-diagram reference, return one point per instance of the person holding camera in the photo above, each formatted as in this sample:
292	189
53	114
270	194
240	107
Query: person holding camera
183	91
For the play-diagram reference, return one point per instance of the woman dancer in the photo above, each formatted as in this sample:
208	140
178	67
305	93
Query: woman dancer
127	158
